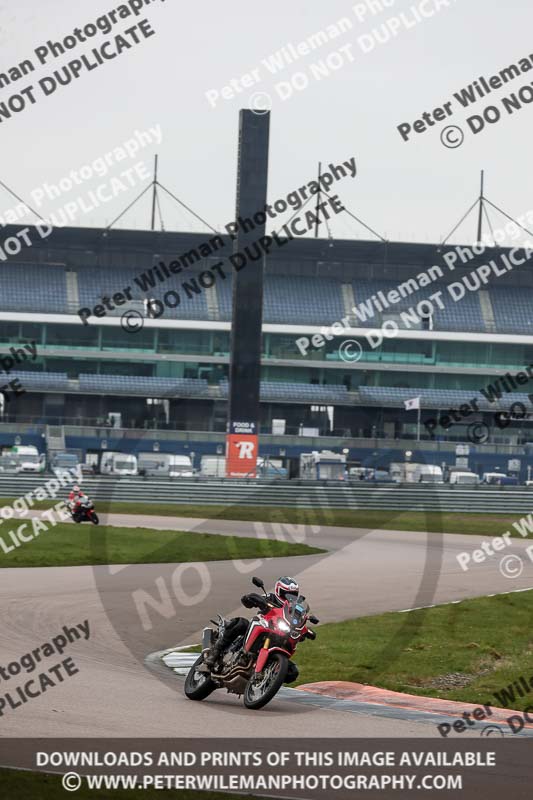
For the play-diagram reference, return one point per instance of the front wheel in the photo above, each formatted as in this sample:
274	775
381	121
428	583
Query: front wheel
262	687
94	519
198	685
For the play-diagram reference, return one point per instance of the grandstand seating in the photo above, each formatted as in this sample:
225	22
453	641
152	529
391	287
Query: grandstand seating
295	300
181	387
297	392
437	398
271	391
311	284
142	385
33	287
287	299
461	316
178	387
513	310
105	281
41	381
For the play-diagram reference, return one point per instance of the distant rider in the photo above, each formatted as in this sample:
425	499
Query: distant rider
284	589
75	498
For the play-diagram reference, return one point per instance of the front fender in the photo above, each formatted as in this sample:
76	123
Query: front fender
264	654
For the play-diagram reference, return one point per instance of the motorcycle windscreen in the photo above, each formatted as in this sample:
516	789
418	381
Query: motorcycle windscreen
295	611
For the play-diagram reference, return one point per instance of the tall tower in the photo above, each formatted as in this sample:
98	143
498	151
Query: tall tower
245	358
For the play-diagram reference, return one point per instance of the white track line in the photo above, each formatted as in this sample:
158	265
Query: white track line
466	599
178	661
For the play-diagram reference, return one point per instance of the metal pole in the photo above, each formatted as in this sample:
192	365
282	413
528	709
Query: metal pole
318	199
481	201
154	196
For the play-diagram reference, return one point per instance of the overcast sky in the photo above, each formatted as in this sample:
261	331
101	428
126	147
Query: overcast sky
408	191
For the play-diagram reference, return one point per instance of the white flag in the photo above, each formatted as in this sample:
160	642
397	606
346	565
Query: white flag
412	405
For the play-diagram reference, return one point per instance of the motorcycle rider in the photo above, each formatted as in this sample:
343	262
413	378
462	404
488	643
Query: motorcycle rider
284	589
75	498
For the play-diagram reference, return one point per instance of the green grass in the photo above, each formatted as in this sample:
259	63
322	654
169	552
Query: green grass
487	641
74	545
449	522
17	785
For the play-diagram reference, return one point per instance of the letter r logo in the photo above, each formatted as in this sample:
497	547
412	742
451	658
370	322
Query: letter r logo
246	449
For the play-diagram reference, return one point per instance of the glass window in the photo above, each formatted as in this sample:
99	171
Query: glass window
9	331
30	332
72	336
192	342
125	368
116	338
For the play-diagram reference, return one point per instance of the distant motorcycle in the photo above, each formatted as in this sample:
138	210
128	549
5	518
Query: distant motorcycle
84	512
257	664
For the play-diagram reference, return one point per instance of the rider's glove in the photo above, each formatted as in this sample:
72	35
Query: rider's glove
254	601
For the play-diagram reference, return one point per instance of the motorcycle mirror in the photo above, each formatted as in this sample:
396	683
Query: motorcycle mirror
314	620
258	582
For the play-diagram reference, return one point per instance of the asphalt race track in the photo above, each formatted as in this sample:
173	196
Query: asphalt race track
116	693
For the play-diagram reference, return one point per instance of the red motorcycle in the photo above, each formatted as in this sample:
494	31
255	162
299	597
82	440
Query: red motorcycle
84	511
257	664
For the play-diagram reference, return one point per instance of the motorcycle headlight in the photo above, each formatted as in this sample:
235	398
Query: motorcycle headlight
282	626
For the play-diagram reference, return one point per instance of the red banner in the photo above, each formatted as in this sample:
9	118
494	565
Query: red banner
241	454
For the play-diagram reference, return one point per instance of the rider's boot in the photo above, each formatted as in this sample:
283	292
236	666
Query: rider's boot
214	653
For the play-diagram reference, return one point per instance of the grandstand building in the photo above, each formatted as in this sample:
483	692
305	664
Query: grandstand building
169	380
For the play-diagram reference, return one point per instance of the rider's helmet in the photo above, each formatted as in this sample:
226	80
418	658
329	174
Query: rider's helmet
284	587
76	489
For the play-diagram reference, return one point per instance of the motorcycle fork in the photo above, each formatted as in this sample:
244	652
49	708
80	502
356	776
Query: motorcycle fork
263	655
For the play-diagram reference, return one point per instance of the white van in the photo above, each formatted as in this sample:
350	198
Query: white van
180	467
152	464
64	461
493	477
118	464
428	473
360	473
27	458
464	478
213	466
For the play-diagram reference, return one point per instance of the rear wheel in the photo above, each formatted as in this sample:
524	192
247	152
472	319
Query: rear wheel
262	687
198	685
